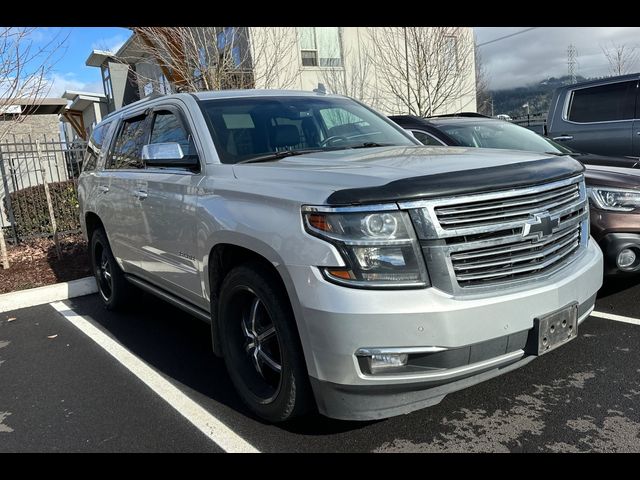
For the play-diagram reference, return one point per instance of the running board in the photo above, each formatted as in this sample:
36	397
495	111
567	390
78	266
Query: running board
172	299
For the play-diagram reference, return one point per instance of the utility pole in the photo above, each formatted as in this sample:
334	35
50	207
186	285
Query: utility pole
572	54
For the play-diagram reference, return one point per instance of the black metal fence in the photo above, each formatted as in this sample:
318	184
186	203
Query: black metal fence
38	187
535	122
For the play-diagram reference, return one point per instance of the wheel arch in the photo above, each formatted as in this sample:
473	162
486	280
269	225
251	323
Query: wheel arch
234	250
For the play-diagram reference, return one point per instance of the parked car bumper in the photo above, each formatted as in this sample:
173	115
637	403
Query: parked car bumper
454	342
614	232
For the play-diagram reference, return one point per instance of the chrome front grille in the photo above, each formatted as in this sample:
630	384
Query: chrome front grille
514	260
477	214
479	241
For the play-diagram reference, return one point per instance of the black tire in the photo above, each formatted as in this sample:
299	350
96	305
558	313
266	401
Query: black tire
113	288
251	296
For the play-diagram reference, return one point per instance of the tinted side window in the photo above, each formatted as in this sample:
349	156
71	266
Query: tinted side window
94	146
425	138
616	101
127	152
167	128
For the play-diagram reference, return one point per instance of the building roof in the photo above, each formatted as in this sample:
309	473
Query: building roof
73	94
37	106
82	100
98	57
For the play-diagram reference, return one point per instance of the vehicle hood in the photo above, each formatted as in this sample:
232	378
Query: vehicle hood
393	173
607	176
602	160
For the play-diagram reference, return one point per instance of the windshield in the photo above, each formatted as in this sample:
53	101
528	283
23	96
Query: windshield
255	127
501	134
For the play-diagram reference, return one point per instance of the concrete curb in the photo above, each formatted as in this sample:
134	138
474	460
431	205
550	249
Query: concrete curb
47	294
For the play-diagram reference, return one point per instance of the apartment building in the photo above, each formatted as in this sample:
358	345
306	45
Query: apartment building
367	63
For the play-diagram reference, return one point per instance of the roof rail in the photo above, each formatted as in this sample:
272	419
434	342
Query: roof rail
460	114
152	96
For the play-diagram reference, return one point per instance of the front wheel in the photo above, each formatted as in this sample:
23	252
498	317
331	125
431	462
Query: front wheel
260	344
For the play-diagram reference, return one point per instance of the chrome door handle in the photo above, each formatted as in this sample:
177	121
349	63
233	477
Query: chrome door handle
103	189
140	194
565	137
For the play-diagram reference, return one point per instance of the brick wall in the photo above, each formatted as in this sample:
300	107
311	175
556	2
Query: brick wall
22	168
34	125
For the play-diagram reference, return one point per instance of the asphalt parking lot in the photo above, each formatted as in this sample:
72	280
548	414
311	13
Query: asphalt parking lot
62	391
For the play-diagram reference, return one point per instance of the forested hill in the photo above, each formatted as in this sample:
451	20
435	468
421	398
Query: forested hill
538	96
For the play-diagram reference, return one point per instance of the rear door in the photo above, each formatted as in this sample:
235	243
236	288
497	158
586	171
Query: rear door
599	119
169	204
635	133
121	178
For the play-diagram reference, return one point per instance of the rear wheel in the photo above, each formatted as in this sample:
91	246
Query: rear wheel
260	344
113	287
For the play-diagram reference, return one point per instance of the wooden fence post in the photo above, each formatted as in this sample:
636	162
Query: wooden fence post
47	194
3	251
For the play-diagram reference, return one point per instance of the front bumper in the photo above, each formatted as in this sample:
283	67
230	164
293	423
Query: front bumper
612	244
335	322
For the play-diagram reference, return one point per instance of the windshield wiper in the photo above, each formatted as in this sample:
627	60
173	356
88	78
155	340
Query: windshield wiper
372	144
277	156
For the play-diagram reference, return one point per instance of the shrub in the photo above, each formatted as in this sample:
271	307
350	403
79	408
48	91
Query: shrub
31	213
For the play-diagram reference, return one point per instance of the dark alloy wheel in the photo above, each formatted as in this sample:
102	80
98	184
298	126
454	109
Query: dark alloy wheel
257	339
260	344
103	272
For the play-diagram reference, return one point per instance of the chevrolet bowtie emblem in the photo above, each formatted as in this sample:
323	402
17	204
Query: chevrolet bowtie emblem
541	224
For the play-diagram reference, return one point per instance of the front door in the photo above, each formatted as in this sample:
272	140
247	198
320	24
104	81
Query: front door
169	202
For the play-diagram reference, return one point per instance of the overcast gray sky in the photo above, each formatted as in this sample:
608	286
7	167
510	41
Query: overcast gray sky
541	53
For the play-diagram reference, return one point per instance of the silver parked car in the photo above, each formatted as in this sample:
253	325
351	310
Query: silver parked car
340	264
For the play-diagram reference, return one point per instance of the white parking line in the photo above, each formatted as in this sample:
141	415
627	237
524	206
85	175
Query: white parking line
617	318
213	428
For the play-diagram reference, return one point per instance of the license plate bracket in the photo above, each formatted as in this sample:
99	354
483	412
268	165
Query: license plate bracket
556	328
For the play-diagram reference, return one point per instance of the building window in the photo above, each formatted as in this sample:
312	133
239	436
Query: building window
226	37
106	81
320	46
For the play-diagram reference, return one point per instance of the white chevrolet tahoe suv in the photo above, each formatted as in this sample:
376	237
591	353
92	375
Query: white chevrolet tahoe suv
342	266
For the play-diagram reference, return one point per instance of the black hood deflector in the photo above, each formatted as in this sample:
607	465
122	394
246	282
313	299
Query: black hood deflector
474	180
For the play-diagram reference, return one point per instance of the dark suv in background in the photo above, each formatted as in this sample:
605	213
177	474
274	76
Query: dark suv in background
598	116
613	183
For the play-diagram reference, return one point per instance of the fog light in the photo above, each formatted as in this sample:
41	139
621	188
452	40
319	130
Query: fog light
626	258
379	362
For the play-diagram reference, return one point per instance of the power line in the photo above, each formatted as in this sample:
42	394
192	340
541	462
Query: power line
507	36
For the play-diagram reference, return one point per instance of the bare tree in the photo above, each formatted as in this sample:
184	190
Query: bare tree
426	69
216	58
622	58
25	69
274	56
355	79
484	100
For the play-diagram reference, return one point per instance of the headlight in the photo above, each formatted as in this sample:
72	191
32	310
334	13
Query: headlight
616	199
380	248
